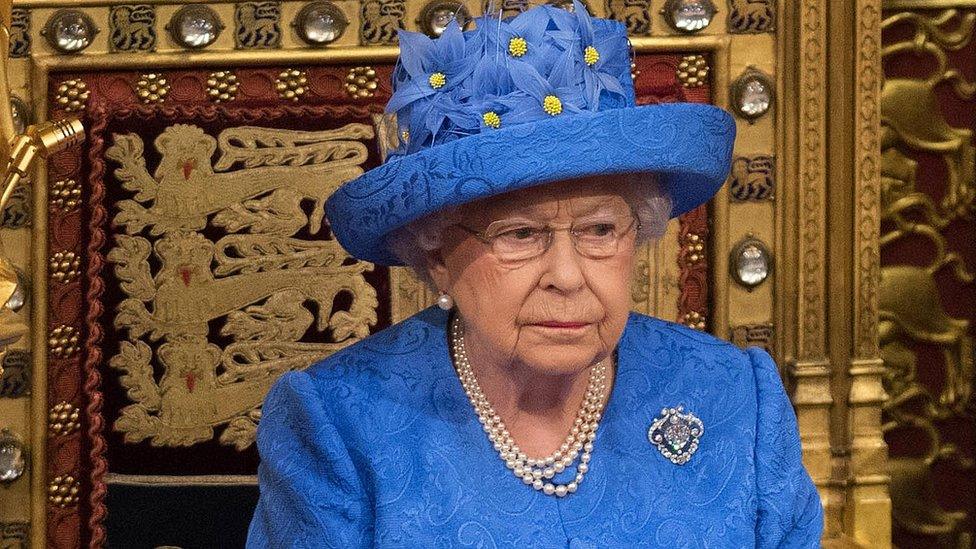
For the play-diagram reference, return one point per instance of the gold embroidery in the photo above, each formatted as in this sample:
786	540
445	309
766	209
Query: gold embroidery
254	281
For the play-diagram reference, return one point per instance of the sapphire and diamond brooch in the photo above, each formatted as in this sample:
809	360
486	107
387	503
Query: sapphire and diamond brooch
676	434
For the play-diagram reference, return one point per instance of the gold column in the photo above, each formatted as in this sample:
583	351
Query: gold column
868	509
803	299
831	58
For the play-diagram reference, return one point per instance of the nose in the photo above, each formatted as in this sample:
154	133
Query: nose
563	270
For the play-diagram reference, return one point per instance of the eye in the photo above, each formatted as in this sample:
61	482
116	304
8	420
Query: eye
597	230
520	234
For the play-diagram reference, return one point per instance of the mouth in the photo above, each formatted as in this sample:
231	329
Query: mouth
561	325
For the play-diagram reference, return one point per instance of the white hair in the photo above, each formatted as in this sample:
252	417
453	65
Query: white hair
414	242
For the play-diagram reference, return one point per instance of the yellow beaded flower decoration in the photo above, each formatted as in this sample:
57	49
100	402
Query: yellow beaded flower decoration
492	120
517	46
590	56
437	80
552	105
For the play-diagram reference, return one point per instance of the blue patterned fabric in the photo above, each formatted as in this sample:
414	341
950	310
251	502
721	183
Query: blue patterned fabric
562	109
378	445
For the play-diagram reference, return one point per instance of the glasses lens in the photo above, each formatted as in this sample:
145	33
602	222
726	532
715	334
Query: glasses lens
600	239
520	242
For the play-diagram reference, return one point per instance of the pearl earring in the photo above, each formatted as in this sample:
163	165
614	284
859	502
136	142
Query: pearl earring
445	302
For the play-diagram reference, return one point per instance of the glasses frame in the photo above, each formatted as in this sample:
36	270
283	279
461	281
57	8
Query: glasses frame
550	236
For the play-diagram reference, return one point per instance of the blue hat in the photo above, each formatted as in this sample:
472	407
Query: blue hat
544	96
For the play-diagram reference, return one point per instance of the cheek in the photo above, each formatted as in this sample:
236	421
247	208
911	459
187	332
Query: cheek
490	297
611	284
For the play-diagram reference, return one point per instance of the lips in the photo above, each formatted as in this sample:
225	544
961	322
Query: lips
565	325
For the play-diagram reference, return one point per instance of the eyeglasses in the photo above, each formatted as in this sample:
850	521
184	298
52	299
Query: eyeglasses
518	241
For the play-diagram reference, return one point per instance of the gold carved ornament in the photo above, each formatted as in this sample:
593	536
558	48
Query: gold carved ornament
255	279
911	311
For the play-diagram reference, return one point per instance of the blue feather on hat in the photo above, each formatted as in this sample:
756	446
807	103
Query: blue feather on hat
539	64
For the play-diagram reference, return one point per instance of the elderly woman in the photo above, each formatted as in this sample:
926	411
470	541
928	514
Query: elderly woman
531	408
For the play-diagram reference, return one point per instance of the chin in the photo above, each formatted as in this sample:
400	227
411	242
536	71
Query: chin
561	359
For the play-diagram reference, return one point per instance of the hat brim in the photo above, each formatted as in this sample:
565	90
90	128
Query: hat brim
687	145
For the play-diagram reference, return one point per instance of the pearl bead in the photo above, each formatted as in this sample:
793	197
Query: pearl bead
445	302
533	470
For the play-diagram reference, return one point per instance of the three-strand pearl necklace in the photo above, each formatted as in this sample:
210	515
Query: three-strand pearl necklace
536	472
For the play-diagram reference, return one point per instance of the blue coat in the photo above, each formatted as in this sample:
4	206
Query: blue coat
378	445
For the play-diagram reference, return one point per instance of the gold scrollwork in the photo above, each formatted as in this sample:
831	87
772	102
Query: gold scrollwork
911	311
507	8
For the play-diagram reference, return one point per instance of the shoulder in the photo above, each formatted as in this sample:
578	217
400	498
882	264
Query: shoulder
403	349
390	376
704	372
685	348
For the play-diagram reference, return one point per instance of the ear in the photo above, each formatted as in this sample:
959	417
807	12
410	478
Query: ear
437	270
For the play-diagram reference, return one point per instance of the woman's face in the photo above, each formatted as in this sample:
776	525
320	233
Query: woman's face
557	313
